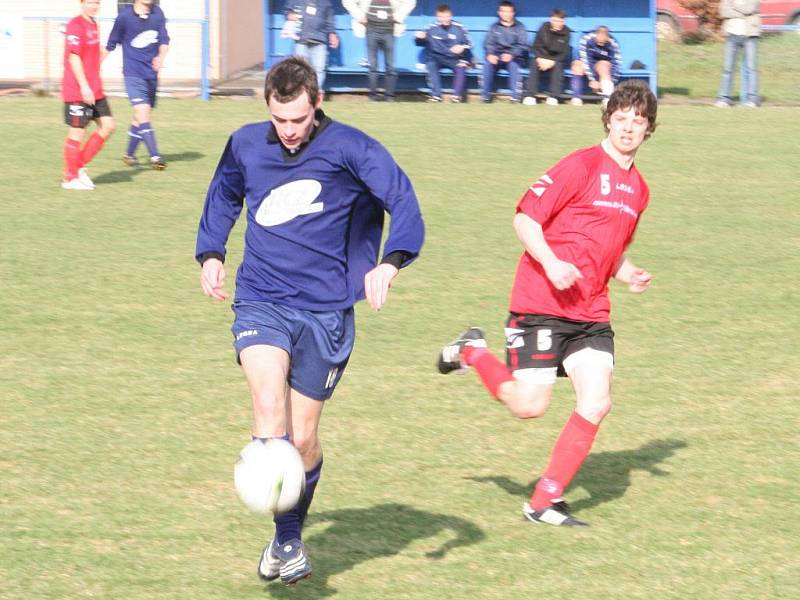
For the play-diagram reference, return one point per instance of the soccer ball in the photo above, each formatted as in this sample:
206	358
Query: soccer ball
269	477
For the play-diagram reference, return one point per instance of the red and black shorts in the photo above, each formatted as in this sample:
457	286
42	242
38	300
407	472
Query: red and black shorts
80	114
544	342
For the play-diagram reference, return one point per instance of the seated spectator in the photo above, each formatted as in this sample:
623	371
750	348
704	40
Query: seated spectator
506	45
449	47
551	51
600	60
314	31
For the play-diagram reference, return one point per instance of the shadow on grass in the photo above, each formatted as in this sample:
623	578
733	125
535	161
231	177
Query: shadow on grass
676	91
127	174
360	534
606	476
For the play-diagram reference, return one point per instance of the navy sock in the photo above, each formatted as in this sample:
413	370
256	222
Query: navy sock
289	525
134	138
149	136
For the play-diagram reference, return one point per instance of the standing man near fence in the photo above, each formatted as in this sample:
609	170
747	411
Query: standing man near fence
381	21
315	30
84	99
141	30
742	27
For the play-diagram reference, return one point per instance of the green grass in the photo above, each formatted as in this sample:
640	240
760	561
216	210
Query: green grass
123	411
692	71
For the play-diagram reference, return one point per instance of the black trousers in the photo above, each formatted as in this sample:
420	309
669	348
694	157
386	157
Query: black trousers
556	73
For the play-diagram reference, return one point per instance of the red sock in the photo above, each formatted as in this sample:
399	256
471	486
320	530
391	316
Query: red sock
492	372
91	148
571	449
72	159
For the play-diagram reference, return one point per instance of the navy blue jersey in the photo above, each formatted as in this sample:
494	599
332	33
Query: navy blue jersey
512	39
590	52
440	39
314	220
140	37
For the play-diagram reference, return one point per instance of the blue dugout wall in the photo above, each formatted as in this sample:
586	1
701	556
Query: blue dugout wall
632	22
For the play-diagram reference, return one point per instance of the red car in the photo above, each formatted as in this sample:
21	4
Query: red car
673	19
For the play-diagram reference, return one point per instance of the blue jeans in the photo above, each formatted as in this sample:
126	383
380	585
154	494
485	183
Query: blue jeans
749	89
488	78
317	57
377	40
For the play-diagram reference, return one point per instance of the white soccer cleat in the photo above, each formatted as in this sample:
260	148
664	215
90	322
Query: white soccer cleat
76	184
83	175
269	566
529	101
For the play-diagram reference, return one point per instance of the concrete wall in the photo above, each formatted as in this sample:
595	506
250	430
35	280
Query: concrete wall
241	35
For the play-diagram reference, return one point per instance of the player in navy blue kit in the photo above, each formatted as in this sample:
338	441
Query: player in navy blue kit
316	192
141	30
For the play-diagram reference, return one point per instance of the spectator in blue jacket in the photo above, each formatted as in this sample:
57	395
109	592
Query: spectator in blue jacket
315	31
600	60
506	45
449	47
551	50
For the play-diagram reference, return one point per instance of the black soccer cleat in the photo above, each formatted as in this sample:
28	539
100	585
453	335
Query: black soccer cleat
451	354
130	161
157	164
555	514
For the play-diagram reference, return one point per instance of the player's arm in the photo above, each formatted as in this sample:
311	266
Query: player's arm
117	34
163	45
76	65
390	186
583	56
224	202
637	279
560	273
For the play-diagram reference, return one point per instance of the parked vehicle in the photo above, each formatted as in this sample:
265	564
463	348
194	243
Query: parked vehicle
673	20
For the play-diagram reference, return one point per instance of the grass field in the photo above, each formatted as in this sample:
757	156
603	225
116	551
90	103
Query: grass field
123	411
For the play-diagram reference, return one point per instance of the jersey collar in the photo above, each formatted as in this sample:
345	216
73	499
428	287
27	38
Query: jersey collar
322	121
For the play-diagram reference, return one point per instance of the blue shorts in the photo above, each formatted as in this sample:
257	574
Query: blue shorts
319	343
141	91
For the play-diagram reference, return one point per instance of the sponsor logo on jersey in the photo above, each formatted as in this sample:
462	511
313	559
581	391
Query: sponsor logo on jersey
290	201
74	40
624	187
144	39
620	206
246	333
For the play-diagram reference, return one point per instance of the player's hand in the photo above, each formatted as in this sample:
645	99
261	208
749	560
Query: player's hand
506	57
492	59
545	64
363	20
421	35
595	85
377	283
640	281
157	62
562	274
457	48
212	279
333	41
87	95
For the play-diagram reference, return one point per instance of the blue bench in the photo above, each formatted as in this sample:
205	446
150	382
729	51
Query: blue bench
632	22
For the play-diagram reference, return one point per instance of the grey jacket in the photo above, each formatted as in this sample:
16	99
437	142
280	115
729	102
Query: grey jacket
741	17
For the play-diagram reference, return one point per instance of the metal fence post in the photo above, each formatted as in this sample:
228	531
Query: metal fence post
206	54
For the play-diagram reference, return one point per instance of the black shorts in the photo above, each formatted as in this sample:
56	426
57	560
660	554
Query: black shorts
543	342
79	114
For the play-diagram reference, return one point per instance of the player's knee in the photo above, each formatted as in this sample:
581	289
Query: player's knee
106	129
596	409
526	404
576	67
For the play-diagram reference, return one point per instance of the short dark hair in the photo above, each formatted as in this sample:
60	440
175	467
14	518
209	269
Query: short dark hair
603	27
507	4
559	12
634	94
444	8
289	79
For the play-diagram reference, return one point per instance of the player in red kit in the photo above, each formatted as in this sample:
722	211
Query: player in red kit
575	223
84	100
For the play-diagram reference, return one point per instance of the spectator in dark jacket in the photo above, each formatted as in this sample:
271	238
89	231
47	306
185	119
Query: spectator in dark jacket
449	47
314	31
506	45
551	51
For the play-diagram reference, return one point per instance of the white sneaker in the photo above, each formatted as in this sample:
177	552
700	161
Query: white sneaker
576	101
721	104
83	175
75	184
551	101
749	105
529	101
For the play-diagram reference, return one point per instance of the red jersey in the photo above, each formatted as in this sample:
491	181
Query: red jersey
588	207
82	38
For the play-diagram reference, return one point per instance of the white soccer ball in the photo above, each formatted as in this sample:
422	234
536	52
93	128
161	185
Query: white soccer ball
269	477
